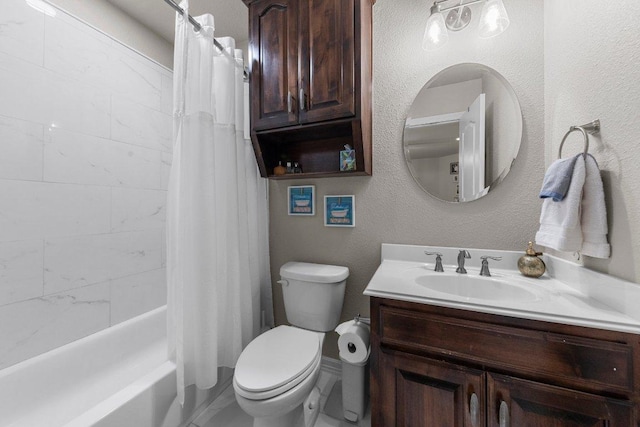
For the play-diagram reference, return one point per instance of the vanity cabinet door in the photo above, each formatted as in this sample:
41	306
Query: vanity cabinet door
420	392
520	403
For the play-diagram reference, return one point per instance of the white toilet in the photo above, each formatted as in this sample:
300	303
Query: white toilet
277	371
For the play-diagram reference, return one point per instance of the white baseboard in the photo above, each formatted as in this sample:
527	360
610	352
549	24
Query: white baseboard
331	366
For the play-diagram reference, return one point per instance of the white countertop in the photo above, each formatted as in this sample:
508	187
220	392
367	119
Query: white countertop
567	293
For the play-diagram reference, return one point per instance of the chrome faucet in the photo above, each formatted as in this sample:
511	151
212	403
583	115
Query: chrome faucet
461	257
438	261
484	271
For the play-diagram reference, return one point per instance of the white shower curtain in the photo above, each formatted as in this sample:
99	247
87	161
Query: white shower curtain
217	250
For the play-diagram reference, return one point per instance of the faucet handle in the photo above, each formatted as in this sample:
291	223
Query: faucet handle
438	261
484	271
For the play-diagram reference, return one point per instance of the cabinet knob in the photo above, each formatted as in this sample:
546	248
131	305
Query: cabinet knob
504	414
473	409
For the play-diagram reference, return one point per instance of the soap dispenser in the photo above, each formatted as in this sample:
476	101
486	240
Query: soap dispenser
530	264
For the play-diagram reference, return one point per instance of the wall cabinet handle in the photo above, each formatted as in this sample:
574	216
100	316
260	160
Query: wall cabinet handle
473	409
504	414
303	100
289	102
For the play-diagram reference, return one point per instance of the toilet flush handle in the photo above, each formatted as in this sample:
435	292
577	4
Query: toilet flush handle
283	282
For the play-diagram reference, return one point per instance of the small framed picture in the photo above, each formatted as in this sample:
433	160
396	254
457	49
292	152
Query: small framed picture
453	168
340	211
302	200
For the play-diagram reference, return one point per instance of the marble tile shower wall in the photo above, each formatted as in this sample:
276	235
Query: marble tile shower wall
85	142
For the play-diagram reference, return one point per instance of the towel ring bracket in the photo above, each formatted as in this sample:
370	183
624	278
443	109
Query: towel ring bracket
586	130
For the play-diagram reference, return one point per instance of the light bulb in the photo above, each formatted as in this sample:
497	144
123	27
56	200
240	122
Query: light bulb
435	33
493	20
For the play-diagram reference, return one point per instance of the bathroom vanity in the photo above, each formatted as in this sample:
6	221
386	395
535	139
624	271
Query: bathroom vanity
550	353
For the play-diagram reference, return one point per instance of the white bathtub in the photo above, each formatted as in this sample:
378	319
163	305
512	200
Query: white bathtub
119	377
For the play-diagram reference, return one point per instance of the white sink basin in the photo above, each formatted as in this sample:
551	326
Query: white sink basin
567	293
476	287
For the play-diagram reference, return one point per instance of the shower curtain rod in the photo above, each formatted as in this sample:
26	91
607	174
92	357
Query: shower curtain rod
197	27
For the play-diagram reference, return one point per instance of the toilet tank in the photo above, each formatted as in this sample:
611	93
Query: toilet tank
313	294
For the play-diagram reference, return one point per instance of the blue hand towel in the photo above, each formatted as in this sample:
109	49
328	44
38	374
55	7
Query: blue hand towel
557	179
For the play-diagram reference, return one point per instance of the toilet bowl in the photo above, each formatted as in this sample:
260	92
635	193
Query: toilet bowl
275	374
278	370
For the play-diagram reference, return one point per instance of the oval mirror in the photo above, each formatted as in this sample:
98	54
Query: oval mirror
462	132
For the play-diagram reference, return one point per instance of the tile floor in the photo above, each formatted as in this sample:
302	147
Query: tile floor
225	412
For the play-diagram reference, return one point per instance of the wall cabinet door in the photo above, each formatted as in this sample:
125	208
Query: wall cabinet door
429	393
327	60
520	403
273	33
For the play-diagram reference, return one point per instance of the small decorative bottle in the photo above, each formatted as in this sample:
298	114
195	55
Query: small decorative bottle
530	265
279	170
289	168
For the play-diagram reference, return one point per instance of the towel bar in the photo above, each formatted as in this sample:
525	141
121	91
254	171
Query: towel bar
586	129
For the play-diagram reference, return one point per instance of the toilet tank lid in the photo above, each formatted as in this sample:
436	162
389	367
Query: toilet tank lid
310	272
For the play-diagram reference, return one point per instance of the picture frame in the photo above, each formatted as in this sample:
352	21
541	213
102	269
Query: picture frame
340	211
453	168
301	200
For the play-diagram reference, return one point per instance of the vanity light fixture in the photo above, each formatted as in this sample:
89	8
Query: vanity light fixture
435	33
493	21
42	6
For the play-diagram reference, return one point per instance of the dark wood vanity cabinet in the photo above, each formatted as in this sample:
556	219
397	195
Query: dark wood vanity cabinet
310	86
434	366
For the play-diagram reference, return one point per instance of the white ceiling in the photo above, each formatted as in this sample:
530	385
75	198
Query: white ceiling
230	16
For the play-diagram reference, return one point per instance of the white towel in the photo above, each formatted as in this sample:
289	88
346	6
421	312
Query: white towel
579	222
594	213
560	225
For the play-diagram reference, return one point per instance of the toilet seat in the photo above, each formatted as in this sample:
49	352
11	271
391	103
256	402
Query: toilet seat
277	361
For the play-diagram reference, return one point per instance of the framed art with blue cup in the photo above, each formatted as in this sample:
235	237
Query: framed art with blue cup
302	200
340	211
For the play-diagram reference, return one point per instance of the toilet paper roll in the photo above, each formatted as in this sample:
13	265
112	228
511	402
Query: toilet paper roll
353	343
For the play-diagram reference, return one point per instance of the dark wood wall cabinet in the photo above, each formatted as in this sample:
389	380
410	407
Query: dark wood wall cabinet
310	85
434	366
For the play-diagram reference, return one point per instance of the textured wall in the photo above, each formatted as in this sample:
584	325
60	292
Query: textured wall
591	71
85	141
390	207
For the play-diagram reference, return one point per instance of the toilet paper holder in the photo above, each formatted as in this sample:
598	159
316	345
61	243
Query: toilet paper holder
359	318
354	354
